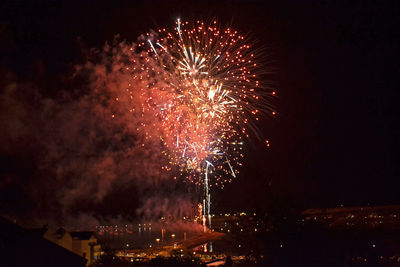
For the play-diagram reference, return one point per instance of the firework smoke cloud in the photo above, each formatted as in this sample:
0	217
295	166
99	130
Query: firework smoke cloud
175	105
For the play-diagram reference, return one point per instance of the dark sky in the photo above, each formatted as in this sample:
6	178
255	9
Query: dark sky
336	137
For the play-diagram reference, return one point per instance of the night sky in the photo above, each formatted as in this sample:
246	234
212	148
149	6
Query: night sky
335	138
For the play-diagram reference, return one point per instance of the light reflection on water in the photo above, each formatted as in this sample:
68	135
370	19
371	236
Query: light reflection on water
139	236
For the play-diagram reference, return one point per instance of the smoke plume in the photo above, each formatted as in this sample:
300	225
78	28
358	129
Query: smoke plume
78	153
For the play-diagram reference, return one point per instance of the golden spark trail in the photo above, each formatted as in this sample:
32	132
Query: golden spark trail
204	92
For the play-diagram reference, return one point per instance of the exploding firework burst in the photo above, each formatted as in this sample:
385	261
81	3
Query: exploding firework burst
199	86
206	96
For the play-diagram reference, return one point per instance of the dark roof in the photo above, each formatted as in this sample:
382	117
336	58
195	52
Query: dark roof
83	235
37	251
38	231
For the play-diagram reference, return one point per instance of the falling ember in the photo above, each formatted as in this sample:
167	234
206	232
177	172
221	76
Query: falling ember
199	82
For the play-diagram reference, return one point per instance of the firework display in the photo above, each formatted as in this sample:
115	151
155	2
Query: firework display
200	85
